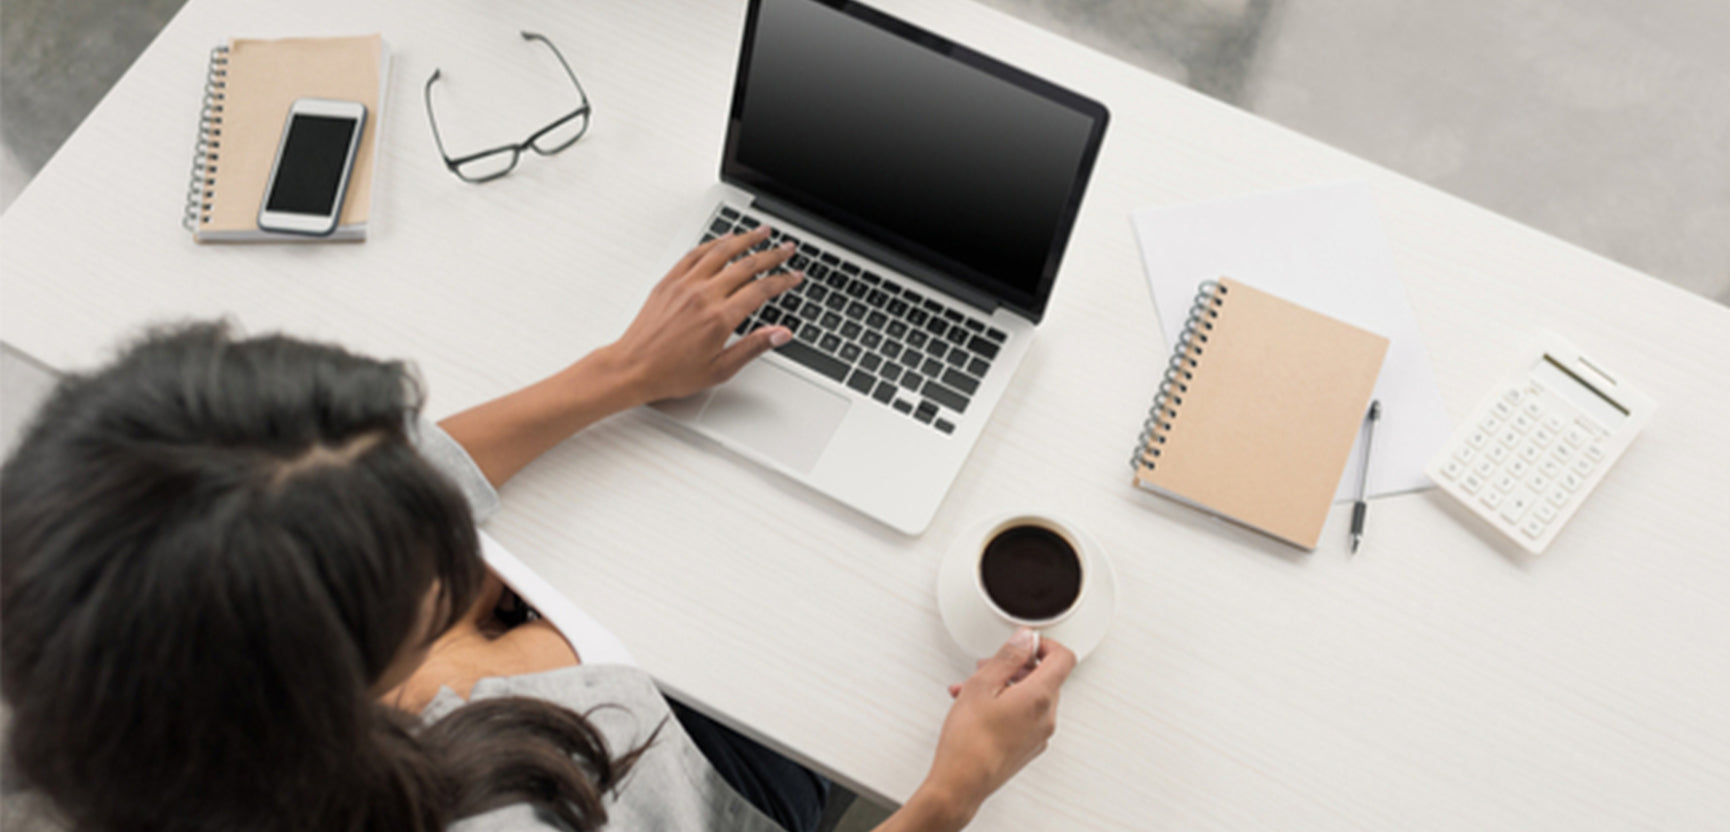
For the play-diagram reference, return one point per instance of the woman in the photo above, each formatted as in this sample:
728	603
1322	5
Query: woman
235	571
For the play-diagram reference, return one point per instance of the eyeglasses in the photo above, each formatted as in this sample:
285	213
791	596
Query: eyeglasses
488	165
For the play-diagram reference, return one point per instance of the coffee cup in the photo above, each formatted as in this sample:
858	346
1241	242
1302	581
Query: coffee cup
1031	570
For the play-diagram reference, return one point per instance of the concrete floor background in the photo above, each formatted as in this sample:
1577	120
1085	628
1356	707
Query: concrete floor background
1602	122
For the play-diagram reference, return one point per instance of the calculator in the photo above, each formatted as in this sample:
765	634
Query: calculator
1534	450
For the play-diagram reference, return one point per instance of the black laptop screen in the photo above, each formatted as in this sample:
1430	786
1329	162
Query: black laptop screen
969	166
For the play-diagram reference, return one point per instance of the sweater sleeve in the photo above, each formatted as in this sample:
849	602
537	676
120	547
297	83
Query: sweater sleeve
453	461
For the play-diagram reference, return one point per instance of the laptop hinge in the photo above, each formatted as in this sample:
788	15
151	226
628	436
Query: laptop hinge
883	254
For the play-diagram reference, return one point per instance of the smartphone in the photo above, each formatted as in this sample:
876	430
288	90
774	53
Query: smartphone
309	178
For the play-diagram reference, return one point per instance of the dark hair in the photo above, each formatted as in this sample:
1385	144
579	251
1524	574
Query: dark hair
212	550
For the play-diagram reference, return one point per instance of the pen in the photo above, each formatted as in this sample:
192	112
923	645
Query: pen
1362	508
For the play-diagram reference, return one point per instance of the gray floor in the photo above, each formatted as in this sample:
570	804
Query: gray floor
1602	122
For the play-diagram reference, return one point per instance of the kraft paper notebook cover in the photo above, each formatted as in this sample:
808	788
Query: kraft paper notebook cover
1258	410
250	86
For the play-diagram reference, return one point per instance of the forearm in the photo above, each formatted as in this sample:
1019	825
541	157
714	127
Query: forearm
507	433
931	809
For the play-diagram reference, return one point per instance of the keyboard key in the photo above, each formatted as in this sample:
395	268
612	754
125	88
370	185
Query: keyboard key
918	317
856	310
926	412
877	298
831	320
896	329
812	310
937	326
876	320
975	324
953	315
1497	453
903	405
897	308
871	339
978	366
995	334
862	382
857	289
936	349
729	214
985	347
892	349
890	288
809	250
719	227
932	306
932	367
957	335
871	278
912	381
944	425
816	292
946	397
870	361
836	280
892	371
836	301
911	296
849	268
706	238
804	354
913	358
743	327
916	338
770	315
831	259
851	330
789	302
1516	505
960	382
1534	528
1471	483
749	222
817	271
884	393
850	352
957	357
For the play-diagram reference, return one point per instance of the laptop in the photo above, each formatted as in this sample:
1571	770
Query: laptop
931	191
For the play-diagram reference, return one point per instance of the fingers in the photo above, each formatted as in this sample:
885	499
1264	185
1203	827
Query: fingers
747	300
727	248
740	273
1055	663
746	349
689	261
1015	653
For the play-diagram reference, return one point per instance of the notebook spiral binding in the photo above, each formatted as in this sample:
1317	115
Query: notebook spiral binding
1209	297
204	155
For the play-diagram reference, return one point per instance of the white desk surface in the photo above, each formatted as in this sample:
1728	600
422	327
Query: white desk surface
1438	680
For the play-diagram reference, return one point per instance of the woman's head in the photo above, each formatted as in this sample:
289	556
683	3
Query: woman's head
213	551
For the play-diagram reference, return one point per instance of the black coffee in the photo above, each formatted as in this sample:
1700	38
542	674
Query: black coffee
1031	572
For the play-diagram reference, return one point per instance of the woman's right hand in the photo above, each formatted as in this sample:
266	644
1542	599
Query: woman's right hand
1002	718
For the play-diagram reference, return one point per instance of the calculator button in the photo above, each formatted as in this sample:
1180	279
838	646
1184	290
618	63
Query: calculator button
1509	437
1453	469
1511	396
1581	466
1593	452
1538	483
1550	468
1553	424
1491	498
1503	410
1542	436
1534	528
1575	436
1471	483
1517	468
1530	452
1571	481
1544	512
1484	468
1505	483
1559	496
1497	453
1523	423
1477	438
1463	454
1516	506
1562	453
1532	410
1490	424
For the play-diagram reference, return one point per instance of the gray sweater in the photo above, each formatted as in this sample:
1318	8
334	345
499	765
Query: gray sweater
672	786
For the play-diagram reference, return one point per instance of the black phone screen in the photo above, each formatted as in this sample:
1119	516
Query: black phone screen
310	172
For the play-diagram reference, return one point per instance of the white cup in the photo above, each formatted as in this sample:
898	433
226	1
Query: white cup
1054	525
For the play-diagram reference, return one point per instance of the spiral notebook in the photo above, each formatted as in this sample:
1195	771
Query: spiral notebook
247	92
1258	409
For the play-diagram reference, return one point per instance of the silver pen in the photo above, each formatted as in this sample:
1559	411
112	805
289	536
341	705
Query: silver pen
1362	508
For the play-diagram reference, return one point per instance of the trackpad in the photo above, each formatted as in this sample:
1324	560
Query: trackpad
777	414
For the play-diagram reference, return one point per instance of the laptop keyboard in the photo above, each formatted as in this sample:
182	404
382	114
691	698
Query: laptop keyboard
878	337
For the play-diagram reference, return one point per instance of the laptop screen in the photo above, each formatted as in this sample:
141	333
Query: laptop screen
951	158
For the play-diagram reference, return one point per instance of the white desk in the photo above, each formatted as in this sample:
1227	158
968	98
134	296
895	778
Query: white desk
1437	680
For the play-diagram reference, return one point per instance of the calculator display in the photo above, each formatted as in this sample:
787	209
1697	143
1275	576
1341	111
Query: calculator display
1575	389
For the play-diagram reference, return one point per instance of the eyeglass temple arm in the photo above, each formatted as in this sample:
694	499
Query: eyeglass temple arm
433	121
562	62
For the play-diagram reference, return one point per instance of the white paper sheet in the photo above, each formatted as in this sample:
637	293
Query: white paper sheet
1320	247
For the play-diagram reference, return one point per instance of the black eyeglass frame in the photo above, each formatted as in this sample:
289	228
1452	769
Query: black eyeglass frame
455	165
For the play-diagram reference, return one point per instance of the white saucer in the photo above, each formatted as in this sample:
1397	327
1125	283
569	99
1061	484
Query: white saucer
981	631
